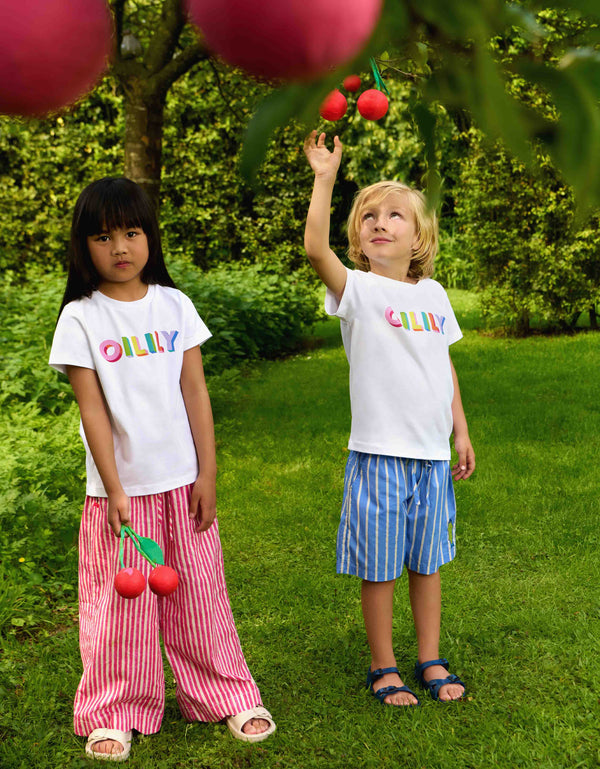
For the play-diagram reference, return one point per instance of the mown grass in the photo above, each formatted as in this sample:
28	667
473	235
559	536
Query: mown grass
520	615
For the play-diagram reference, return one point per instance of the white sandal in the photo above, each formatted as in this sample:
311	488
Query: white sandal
235	724
99	735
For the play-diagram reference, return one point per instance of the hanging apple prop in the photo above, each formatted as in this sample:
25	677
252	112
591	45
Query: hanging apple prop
334	106
285	39
51	52
352	83
372	104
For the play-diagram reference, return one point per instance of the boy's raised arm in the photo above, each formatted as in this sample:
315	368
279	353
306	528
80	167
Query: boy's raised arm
316	235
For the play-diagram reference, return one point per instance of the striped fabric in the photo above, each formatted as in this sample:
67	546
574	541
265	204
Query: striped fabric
123	686
396	512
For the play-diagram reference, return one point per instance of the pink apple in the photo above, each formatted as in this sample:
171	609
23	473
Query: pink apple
285	39
51	52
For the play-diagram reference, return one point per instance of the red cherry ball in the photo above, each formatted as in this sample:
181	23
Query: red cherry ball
372	104
285	39
163	580
352	83
51	52
130	583
334	106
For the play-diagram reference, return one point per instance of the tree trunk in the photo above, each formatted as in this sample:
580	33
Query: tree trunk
145	78
144	115
593	318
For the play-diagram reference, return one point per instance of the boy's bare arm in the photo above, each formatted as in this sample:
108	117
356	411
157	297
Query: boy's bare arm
316	235
465	466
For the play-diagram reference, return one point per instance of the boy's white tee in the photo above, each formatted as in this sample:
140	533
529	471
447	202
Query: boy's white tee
136	349
396	336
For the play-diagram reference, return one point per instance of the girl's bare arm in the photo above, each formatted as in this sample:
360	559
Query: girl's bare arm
203	505
98	433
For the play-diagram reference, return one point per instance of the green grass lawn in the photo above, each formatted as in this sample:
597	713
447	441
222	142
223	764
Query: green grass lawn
521	602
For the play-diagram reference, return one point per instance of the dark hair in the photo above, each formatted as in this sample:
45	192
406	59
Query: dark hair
108	204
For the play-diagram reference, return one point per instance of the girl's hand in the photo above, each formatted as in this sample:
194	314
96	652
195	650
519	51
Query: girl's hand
118	511
203	504
322	161
463	469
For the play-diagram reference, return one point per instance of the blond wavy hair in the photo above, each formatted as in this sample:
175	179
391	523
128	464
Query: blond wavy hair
423	257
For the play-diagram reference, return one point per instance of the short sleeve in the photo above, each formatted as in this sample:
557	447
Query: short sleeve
344	308
196	331
70	345
453	332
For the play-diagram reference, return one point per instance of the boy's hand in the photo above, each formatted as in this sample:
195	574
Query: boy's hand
463	469
322	161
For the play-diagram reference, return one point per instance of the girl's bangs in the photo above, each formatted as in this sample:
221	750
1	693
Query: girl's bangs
113	207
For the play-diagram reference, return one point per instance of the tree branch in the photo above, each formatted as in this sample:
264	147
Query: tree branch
178	66
161	50
118	9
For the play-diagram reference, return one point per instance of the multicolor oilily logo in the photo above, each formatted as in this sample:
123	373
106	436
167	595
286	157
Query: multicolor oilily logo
131	347
416	321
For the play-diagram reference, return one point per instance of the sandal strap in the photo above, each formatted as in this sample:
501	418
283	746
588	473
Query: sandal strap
375	675
420	667
381	694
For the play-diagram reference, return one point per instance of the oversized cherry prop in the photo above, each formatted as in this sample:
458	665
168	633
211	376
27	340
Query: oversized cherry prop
334	106
373	103
285	39
130	582
351	83
51	52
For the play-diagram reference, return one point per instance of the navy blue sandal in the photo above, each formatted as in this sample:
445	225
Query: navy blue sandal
434	686
381	694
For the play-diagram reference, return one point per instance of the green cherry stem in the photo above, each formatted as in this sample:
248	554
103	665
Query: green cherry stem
134	538
377	75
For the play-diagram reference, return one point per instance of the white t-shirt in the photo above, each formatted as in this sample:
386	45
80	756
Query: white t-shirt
396	336
137	349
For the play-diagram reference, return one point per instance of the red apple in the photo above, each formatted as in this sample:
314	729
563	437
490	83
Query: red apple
285	39
334	106
51	52
163	580
351	83
130	583
372	104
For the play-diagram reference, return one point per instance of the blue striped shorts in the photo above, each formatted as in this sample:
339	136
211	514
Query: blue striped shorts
396	512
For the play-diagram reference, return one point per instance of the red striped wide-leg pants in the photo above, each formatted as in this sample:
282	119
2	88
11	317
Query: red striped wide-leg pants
123	686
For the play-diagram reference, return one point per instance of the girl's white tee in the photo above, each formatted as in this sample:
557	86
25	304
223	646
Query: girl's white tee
396	336
136	348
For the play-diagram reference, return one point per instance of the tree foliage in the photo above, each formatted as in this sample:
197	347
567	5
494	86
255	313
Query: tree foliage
533	256
460	54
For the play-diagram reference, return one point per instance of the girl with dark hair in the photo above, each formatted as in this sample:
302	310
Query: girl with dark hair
129	343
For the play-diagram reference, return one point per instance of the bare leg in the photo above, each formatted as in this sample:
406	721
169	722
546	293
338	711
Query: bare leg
425	591
378	605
